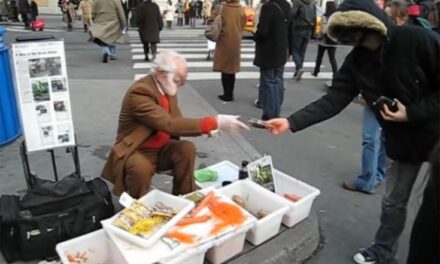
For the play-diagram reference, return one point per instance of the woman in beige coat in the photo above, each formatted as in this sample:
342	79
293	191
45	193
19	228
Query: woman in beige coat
86	9
228	49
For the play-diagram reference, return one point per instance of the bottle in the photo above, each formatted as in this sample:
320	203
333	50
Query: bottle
243	173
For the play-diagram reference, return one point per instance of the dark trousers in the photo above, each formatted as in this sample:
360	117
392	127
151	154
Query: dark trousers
300	43
25	18
180	21
228	83
186	17
169	24
178	156
331	56
271	92
424	246
148	46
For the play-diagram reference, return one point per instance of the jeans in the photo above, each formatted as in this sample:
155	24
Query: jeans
300	43
109	49
400	180
373	154
271	92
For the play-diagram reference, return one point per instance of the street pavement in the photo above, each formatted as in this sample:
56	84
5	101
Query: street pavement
323	155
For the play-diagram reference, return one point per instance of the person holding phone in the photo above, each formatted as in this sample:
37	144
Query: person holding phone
385	63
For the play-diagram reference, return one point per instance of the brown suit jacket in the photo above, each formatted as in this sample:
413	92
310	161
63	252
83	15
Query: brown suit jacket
140	117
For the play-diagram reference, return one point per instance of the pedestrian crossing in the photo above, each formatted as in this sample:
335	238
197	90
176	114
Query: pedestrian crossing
192	45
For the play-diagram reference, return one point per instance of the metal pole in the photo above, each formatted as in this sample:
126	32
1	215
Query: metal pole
54	164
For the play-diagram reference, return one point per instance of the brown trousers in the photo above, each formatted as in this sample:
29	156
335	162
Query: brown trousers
177	156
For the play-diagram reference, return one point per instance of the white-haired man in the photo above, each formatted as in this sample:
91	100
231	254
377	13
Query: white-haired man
149	123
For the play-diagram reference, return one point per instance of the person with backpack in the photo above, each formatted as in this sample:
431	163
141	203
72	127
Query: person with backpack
303	24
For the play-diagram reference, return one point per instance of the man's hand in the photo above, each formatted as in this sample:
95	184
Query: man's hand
277	126
230	123
399	116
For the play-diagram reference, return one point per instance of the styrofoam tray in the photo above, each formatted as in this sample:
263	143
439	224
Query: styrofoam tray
179	204
258	198
299	210
226	170
96	246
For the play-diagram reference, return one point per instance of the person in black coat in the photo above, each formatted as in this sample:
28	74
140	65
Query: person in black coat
271	52
24	9
34	10
398	63
150	23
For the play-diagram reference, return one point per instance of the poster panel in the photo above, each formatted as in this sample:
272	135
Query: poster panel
43	94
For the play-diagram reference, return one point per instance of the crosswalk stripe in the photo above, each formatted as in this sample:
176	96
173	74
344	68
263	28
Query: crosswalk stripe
21	29
187	49
193	76
208	64
184	45
193	56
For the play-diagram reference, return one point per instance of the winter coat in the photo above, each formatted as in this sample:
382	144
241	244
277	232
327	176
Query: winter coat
406	67
303	17
34	10
227	53
169	13
86	9
108	21
149	21
180	9
271	37
207	7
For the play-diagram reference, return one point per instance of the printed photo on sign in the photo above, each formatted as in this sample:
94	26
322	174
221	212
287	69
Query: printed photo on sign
261	170
64	132
46	135
58	85
60	108
43	113
40	90
45	67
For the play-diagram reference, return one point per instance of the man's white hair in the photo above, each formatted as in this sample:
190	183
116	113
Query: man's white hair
167	61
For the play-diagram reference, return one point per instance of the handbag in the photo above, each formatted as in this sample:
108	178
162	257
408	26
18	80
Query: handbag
212	31
49	213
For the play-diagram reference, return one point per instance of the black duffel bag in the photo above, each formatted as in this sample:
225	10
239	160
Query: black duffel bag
51	212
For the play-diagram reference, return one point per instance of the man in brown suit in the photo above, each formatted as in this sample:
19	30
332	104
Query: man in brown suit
149	122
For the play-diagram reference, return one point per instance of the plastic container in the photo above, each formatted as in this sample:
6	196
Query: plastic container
228	246
180	205
259	198
299	210
192	256
227	171
96	246
10	127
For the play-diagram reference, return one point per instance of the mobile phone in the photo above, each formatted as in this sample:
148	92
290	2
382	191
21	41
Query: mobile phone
257	123
383	100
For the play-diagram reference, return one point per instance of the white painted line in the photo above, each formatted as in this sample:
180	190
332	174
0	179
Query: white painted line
194	56
183	45
21	29
187	49
203	64
193	76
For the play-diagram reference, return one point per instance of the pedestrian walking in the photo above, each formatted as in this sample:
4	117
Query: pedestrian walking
86	9
327	44
69	11
407	106
227	52
34	10
187	10
168	14
180	12
192	13
150	23
207	8
109	25
302	28
24	10
271	52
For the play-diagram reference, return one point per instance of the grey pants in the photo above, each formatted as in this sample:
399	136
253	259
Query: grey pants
399	183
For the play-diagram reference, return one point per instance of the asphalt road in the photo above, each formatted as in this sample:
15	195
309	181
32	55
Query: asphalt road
323	155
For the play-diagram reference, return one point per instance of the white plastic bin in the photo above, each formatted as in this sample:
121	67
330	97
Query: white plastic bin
96	246
227	246
299	210
179	204
226	170
192	256
258	198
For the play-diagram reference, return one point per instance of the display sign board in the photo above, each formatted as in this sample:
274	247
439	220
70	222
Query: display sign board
43	94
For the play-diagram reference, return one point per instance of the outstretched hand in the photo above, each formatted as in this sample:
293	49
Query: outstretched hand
277	126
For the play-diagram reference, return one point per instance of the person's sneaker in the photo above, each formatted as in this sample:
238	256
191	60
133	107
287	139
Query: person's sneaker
299	75
314	74
257	103
349	185
295	74
364	257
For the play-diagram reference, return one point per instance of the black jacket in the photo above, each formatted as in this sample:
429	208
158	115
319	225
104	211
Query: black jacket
271	48
303	14
407	67
149	21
